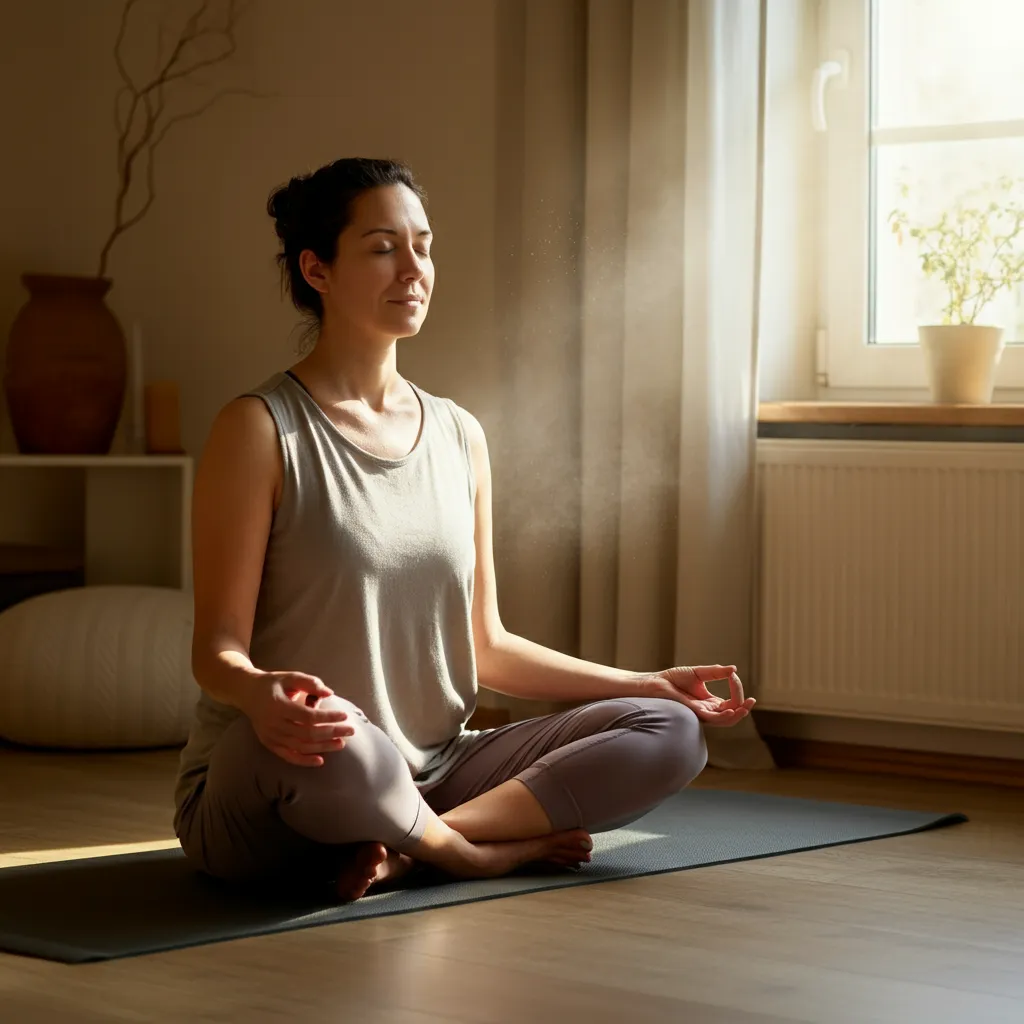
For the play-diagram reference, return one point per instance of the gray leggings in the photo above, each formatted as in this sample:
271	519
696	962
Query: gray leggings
595	767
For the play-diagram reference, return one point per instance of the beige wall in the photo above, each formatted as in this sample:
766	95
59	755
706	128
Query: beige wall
426	82
344	77
419	81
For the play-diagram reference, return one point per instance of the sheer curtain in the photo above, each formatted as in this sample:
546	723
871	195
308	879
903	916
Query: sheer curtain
631	188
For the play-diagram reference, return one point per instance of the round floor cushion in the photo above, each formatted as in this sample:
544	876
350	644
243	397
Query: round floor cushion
98	667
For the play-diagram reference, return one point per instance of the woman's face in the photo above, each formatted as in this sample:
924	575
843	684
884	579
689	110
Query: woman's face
380	282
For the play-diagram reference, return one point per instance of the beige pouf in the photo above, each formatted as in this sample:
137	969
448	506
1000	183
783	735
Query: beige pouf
98	667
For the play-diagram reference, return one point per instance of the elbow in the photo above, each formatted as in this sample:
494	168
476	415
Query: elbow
200	657
487	648
207	651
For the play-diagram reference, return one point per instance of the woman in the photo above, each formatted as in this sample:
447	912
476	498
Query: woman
345	608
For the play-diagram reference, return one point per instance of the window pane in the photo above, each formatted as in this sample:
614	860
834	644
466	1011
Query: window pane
948	61
936	174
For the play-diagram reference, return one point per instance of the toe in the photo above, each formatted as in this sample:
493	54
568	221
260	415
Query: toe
577	839
371	856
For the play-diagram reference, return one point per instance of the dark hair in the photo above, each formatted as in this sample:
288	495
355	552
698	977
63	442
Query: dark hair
313	209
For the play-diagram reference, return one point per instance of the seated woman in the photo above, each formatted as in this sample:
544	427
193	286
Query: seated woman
346	609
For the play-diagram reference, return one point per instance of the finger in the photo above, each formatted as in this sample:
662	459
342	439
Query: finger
736	689
318	730
711	673
724	721
314	742
290	731
294	757
313	749
717	712
700	692
314	716
703	712
308	684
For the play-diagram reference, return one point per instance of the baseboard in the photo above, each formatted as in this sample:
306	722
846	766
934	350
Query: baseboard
960	741
798	753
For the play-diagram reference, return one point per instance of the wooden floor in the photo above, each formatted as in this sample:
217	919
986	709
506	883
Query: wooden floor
920	928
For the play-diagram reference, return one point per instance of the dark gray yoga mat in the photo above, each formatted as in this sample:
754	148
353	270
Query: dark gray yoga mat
102	908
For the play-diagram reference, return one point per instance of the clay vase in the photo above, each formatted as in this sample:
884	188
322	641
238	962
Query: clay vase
66	367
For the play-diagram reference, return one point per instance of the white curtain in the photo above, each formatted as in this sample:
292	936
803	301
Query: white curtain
668	341
634	179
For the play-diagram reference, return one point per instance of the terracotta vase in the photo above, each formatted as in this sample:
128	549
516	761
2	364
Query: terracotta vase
66	367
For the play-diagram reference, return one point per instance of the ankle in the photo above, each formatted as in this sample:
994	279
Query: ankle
444	846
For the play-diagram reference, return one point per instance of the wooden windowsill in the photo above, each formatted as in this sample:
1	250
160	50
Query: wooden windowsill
892	413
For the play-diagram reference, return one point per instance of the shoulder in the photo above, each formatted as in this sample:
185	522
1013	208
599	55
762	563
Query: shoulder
270	411
244	419
469	425
474	429
244	436
243	441
475	442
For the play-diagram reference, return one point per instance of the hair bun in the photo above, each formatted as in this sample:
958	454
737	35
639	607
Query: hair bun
284	205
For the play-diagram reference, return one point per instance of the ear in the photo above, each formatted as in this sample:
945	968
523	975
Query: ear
313	270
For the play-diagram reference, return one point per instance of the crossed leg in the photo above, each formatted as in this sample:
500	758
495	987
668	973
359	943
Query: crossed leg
528	791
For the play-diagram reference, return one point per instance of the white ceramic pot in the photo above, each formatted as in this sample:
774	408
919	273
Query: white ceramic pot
962	361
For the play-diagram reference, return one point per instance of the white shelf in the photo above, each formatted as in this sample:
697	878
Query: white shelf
131	523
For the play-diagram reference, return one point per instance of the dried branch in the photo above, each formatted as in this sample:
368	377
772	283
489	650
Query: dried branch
140	109
119	42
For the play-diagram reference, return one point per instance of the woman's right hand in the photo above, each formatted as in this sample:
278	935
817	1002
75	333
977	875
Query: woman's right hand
283	708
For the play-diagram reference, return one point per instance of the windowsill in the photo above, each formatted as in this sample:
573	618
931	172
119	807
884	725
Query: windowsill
892	414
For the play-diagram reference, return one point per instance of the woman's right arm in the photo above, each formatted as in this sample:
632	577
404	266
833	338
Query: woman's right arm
237	486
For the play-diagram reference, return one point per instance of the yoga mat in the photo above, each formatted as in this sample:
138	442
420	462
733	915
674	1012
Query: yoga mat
102	908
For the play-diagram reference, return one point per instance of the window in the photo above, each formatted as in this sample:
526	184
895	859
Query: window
923	105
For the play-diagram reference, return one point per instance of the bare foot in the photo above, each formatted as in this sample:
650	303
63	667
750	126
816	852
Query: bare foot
490	860
396	866
372	864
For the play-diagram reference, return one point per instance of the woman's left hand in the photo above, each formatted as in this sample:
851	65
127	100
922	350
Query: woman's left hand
687	685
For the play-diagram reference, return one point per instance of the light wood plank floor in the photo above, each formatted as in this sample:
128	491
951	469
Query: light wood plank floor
920	928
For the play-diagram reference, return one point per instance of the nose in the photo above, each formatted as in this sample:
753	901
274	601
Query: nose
412	271
410	267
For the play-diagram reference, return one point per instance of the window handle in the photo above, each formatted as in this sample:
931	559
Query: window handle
838	67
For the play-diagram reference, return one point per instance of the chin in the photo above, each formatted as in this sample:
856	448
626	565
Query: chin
407	326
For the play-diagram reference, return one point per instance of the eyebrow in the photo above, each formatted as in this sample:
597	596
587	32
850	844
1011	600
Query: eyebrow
392	231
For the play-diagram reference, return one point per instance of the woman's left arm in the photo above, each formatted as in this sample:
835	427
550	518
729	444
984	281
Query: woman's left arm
518	667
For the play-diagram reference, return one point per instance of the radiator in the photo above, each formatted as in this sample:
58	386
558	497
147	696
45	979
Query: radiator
891	581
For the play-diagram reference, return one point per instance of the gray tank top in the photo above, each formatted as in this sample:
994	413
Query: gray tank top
367	583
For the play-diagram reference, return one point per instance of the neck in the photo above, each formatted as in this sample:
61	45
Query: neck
349	368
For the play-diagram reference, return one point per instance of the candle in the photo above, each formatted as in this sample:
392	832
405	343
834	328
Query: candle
138	417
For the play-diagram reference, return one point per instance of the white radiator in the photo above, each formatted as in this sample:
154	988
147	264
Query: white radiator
891	581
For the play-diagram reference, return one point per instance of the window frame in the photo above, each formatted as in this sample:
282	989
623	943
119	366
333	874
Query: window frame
845	357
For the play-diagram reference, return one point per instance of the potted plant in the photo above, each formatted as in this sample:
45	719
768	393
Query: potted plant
66	370
976	248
